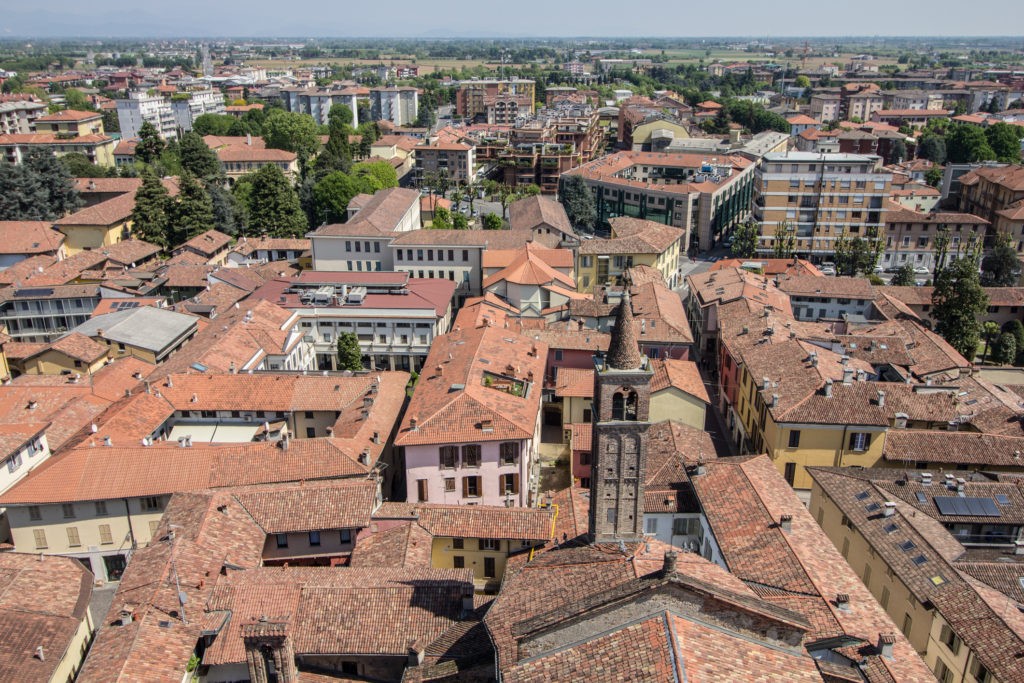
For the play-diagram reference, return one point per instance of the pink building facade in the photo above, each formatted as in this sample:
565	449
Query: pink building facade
479	473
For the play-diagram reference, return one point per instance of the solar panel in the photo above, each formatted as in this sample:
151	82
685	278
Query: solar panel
967	507
33	292
921	498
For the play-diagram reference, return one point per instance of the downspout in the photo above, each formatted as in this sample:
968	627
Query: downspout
131	531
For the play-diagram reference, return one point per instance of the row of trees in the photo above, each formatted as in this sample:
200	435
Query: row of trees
38	189
959	143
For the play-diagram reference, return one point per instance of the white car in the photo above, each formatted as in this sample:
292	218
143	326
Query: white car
827	270
921	270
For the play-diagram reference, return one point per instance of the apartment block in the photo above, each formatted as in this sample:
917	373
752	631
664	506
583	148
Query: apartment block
454	158
42	314
495	101
396	318
317	102
188	107
140	108
996	193
910	236
399	105
704	195
819	197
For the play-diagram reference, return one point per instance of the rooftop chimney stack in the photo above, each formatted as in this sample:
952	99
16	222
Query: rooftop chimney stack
847	375
671	558
926	479
881	399
828	388
890	508
843	601
765	383
786	522
1018	547
886	642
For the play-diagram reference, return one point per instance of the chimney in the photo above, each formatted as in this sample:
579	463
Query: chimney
670	562
814	359
248	139
901	421
439	371
862	375
107	442
843	601
847	375
195	398
39	654
765	383
127	615
890	509
233	369
412	424
1018	547
364	457
32	404
188	441
367	401
926	479
775	400
886	641
127	392
881	399
148	388
376	437
828	388
284	440
845	360
364	414
960	484
786	522
181	442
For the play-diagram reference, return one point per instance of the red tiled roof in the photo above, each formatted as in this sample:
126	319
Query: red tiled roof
456	405
29	237
483	521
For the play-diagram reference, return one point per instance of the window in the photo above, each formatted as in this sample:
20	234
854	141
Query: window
846	547
151	503
490	544
650	525
908	624
509	452
69	510
790	473
282	540
73	540
105	536
465	255
867	575
950	639
471	455
40	537
558	354
980	672
508	484
470	487
34	513
419	254
489	569
421	490
14	462
859	441
610	515
459	562
449	484
458	544
314	538
942	672
794	438
884	600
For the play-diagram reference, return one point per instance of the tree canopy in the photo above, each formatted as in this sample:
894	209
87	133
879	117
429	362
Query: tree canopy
350	356
578	203
151	216
957	300
40	189
150	143
271	203
292	132
197	158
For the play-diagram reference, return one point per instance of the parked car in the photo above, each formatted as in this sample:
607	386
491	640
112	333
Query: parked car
921	270
879	269
827	270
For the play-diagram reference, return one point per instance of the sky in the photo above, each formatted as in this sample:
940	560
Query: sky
519	18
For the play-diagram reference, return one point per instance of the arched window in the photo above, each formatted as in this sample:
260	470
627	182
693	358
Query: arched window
618	406
631	406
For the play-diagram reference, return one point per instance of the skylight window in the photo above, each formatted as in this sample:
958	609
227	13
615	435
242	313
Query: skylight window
921	498
889	528
907	546
938	579
1002	499
862	495
872	507
919	560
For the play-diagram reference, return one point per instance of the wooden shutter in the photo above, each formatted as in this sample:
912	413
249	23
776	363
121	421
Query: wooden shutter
73	539
105	536
852	437
40	537
483	544
515	483
867	440
501	484
465	487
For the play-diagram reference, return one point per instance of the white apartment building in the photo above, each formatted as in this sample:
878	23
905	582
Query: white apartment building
396	317
17	117
139	108
317	102
199	102
398	105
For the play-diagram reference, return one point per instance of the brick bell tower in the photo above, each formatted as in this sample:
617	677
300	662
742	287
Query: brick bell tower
622	396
